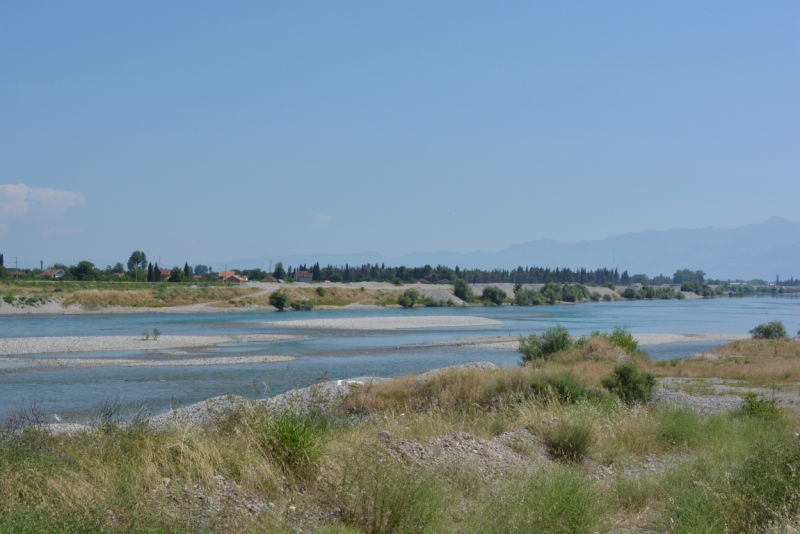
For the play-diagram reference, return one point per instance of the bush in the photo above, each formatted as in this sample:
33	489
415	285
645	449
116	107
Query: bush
294	441
408	298
321	291
303	305
761	408
540	346
279	299
493	295
623	339
570	442
461	290
630	385
566	387
771	330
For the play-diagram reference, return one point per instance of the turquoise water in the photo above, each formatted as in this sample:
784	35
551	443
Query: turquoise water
73	393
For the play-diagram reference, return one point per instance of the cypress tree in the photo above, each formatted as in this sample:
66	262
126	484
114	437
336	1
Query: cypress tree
156	273
150	272
186	270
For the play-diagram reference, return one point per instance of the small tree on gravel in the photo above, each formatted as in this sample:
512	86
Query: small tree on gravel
408	298
493	295
461	290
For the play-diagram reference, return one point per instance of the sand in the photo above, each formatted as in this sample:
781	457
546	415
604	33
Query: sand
663	339
51	345
388	323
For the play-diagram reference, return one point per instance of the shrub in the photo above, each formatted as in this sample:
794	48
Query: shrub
294	441
540	346
623	339
279	299
461	290
396	281
493	295
570	442
566	387
761	408
408	298
321	291
303	305
630	385
771	330
595	296
156	333
9	299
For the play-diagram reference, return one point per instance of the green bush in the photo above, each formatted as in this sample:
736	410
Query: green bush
630	385
321	291
279	299
493	295
566	387
408	298
570	443
303	305
9	299
540	346
294	441
771	330
461	290
761	408
623	339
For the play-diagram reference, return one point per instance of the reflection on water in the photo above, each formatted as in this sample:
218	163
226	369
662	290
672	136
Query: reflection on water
340	354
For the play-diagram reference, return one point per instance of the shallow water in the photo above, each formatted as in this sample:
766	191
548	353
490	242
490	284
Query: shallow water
74	393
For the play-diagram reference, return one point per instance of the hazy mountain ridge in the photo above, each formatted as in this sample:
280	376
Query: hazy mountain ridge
753	251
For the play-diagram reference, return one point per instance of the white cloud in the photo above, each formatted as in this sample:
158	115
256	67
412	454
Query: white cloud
16	200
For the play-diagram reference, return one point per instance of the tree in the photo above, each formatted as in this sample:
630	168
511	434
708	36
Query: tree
461	290
176	274
201	270
408	298
279	273
118	268
138	260
156	273
187	271
771	330
279	299
493	295
150	273
85	270
1	260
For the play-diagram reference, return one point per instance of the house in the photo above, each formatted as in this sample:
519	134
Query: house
235	279
303	276
165	273
222	275
269	278
52	273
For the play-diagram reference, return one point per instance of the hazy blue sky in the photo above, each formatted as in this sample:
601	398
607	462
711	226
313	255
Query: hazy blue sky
210	131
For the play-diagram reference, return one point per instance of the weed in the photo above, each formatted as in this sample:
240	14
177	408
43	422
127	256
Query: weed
560	500
678	427
294	441
156	333
566	387
570	442
145	335
381	495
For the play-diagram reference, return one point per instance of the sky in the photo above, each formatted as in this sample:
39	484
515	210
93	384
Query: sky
212	131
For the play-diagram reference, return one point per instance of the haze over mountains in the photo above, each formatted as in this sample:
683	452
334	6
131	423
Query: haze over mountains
764	251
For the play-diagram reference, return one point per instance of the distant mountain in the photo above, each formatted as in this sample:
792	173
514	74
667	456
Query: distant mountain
753	251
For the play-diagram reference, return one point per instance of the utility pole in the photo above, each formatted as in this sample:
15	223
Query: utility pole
16	266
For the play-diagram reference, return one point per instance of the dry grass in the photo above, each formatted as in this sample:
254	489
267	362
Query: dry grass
155	297
756	361
342	296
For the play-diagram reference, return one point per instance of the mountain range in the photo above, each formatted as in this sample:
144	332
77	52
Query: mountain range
764	251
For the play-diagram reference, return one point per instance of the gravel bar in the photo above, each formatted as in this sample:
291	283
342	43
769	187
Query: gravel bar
388	323
49	345
664	339
108	362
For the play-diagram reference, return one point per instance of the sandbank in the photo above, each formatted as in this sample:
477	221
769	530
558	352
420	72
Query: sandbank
388	323
51	345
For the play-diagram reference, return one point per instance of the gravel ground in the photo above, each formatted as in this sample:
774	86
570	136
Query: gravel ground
387	323
50	345
663	339
50	363
725	403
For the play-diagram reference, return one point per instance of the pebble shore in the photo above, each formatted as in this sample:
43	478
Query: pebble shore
388	323
50	363
50	345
